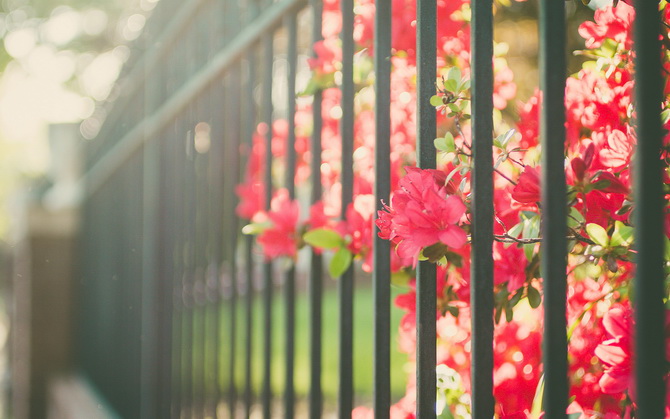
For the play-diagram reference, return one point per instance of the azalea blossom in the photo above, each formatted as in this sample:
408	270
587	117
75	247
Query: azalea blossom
616	352
527	189
422	213
280	239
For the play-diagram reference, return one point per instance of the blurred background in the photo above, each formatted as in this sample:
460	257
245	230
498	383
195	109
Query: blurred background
59	60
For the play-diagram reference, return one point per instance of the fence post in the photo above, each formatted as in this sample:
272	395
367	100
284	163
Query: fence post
649	217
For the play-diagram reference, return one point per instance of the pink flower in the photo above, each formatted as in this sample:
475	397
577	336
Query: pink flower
422	213
527	190
529	121
616	353
328	54
510	266
280	239
317	216
357	228
617	149
251	199
614	23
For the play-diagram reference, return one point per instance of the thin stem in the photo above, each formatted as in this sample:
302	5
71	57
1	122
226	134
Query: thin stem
505	177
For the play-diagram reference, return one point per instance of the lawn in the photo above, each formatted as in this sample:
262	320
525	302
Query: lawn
363	346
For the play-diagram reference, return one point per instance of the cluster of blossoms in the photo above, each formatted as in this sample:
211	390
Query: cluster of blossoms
428	214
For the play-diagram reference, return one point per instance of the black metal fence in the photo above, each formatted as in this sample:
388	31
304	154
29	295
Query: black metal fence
167	282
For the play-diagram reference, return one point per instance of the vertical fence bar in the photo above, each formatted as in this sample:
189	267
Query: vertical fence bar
289	284
166	271
178	277
216	164
202	204
268	50
346	282
249	317
249	124
232	177
151	303
554	213
481	279
381	274
426	293
316	263
189	265
649	240
216	339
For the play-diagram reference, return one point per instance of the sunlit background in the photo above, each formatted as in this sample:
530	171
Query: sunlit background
59	60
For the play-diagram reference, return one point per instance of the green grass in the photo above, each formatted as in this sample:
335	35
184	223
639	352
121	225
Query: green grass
363	345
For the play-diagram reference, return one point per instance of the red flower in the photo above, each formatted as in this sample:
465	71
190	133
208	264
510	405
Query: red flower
615	23
529	121
421	214
510	266
328	54
617	149
251	199
280	239
527	190
616	352
358	228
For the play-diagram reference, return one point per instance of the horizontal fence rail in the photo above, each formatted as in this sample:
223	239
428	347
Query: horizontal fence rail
181	316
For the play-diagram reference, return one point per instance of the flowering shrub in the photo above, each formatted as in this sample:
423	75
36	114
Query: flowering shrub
427	217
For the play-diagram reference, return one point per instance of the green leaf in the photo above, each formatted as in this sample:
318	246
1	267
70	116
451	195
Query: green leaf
503	139
323	238
597	234
516	230
440	144
454	74
318	82
516	297
498	314
453	310
255	228
665	116
451	86
436	101
451	174
622	235
400	278
528	251
531	225
536	408
611	263
461	186
575	219
435	252
446	143
587	270
500	159
509	313
340	262
609	47
454	259
534	298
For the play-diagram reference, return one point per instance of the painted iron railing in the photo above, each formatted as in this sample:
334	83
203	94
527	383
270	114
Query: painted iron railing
164	269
